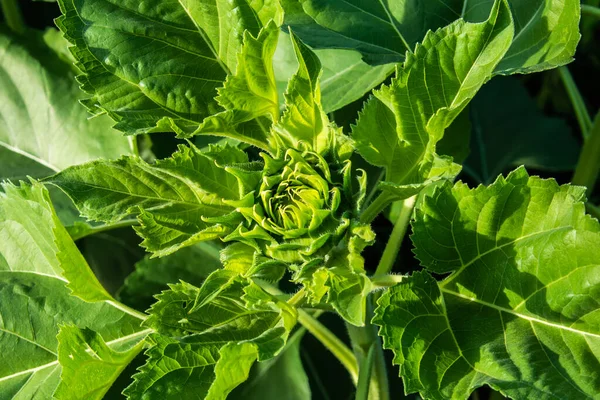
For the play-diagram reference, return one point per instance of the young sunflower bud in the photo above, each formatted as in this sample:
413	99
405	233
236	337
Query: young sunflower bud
300	206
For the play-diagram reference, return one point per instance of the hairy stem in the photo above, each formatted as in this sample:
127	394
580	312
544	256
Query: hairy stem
588	166
583	117
12	16
590	10
384	281
395	241
363	339
378	205
331	342
364	375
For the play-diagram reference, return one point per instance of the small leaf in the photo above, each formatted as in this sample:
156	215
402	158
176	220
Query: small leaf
304	119
210	336
282	377
346	77
519	311
89	365
171	197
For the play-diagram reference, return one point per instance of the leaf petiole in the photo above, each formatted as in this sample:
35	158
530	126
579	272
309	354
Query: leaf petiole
583	117
378	205
364	374
588	166
331	342
395	241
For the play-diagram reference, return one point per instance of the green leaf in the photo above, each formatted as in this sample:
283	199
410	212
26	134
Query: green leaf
304	119
252	91
40	269
249	97
346	77
33	239
400	127
43	128
508	128
157	66
282	377
340	279
210	337
546	35
519	311
152	275
546	31
89	365
171	197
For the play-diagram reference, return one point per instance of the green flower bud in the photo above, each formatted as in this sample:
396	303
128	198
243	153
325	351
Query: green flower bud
296	195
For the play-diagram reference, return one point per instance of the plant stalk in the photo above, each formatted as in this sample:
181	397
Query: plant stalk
590	10
593	210
395	241
378	205
331	342
583	117
364	375
363	340
588	166
12	16
385	281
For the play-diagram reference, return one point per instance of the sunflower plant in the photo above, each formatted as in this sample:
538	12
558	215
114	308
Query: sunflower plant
255	233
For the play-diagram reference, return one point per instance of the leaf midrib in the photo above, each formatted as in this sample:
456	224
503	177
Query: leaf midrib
520	315
457	273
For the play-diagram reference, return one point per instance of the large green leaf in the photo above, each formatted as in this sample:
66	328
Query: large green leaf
509	130
210	337
546	31
399	128
43	128
171	197
520	310
39	273
157	65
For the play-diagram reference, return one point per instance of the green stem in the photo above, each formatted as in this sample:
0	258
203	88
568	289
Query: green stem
331	342
583	117
377	206
395	241
593	210
133	145
364	375
363	339
588	166
12	16
590	10
297	299
385	281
